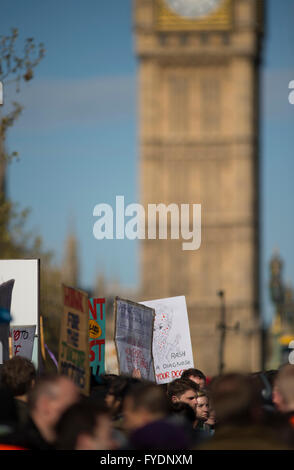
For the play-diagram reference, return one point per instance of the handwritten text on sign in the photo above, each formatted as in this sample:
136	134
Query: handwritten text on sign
74	345
133	338
172	349
23	340
73	359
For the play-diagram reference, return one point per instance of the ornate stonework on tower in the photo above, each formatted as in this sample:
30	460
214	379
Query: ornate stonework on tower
198	113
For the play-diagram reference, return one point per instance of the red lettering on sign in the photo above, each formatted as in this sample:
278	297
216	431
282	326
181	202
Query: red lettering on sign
16	335
16	349
73	299
94	342
177	373
101	302
162	376
93	308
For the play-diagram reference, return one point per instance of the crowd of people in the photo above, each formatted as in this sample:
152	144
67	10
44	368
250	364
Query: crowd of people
230	412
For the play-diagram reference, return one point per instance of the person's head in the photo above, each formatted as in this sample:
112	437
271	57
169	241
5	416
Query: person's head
202	407
50	397
143	404
234	400
196	376
283	391
211	420
118	387
85	426
182	412
19	375
183	390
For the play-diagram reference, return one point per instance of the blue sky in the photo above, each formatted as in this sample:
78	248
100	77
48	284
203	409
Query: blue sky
77	136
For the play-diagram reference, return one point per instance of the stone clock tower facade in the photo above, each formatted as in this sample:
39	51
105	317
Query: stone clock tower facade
198	77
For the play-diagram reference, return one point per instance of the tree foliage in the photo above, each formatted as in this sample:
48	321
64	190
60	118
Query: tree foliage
17	64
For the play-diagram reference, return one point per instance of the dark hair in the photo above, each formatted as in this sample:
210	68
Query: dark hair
80	418
18	374
183	410
271	376
119	387
193	373
179	386
234	399
108	379
150	397
203	393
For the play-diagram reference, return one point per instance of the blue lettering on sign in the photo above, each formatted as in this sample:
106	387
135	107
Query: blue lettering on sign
73	321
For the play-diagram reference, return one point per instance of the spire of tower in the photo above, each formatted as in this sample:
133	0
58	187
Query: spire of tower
100	285
70	267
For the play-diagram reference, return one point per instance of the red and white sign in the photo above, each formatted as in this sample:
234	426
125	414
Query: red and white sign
172	349
23	340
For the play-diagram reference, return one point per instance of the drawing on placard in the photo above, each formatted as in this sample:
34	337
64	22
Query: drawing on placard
163	341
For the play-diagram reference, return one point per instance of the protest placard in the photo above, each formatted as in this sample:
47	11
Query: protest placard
97	335
23	340
133	338
25	292
6	289
172	349
19	299
74	338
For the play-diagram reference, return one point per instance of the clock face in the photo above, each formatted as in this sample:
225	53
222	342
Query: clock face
193	8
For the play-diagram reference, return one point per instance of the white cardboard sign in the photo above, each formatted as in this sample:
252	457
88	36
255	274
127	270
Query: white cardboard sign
23	340
23	304
172	349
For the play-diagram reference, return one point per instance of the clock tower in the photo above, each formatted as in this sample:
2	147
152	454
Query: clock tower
198	79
